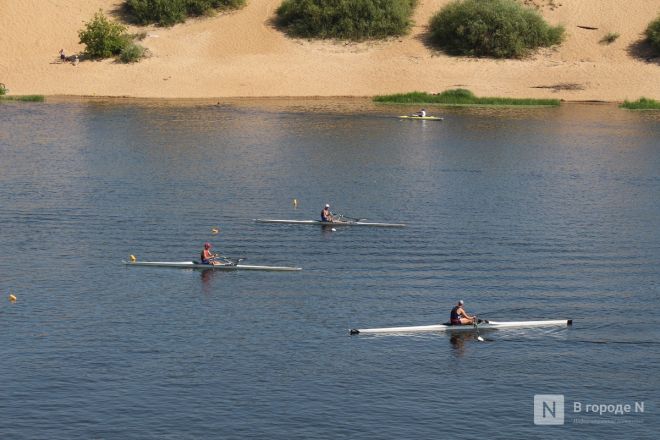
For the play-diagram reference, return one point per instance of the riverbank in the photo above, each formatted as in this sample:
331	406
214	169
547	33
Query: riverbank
241	54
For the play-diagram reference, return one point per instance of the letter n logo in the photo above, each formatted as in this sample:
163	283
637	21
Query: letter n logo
548	409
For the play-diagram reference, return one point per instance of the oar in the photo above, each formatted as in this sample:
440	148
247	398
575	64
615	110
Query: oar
235	261
232	261
476	327
350	218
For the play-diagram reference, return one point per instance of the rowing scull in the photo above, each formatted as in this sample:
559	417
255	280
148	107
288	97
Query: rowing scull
491	325
422	118
320	223
196	265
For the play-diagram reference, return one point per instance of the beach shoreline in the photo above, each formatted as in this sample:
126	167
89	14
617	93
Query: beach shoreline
241	55
294	100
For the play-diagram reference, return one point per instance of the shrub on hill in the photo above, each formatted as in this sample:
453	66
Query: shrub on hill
491	28
3	89
131	53
104	38
345	19
170	12
653	34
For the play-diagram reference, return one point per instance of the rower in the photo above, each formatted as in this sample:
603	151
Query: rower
459	317
326	215
207	256
421	113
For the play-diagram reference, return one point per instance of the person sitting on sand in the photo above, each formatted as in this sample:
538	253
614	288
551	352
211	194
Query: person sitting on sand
75	60
62	55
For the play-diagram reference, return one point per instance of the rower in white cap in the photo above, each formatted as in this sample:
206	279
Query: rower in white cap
458	316
326	215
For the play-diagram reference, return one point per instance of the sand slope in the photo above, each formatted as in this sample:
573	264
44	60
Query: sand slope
242	54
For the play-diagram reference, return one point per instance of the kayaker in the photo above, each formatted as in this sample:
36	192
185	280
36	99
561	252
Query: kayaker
459	317
421	113
207	256
326	215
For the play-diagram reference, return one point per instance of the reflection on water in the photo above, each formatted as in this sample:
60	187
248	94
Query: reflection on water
206	277
458	341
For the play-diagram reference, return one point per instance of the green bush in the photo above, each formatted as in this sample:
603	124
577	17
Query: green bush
345	19
3	89
491	28
170	12
103	38
653	34
163	12
131	53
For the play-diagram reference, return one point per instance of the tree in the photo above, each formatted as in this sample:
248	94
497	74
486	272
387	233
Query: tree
103	38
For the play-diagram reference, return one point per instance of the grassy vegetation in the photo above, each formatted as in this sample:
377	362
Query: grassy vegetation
354	20
653	34
491	28
170	12
131	53
104	38
23	98
641	104
460	97
609	38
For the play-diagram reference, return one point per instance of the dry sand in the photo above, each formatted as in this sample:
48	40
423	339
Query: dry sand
241	54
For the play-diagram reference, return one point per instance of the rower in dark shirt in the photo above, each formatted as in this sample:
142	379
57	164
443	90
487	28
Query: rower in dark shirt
458	316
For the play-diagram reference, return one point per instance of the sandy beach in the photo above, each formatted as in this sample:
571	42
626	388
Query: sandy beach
241	54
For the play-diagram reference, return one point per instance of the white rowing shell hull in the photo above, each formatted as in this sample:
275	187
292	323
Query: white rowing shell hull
193	265
422	118
492	325
318	222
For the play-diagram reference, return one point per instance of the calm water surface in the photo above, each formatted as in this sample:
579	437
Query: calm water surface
523	213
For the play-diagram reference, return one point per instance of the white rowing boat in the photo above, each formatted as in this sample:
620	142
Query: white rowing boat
486	325
319	222
196	265
422	118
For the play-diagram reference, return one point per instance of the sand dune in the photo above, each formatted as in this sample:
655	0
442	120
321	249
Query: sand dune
242	54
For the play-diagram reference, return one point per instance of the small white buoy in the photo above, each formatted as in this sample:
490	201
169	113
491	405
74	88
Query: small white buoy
480	339
334	229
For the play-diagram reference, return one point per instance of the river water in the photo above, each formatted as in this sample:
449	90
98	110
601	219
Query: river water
522	213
